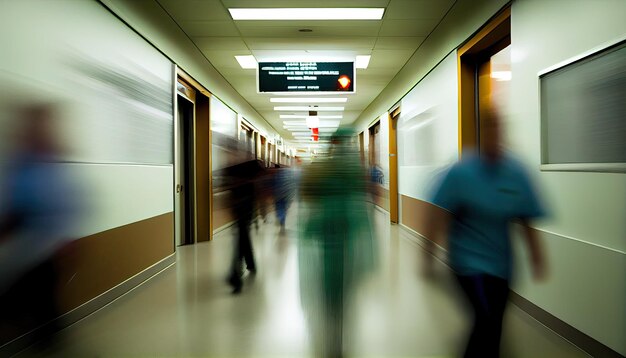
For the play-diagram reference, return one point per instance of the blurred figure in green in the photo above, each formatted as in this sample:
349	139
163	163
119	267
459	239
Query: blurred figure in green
336	247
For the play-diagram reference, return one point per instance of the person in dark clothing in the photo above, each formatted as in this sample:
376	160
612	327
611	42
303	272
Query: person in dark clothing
244	177
283	192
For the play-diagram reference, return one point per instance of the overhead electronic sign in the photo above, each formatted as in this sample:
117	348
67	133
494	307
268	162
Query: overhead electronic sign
280	77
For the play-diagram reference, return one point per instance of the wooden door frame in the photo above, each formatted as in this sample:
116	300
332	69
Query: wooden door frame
493	37
362	147
203	177
371	155
393	165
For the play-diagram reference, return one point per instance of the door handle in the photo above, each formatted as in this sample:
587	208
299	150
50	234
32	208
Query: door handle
179	188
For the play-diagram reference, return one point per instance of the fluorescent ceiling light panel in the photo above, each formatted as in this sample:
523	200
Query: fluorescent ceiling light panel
313	122
323	123
247	62
307	13
362	62
294	123
309	100
307	108
296	128
304	116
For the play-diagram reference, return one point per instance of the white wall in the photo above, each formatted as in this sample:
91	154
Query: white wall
150	20
113	92
428	130
226	149
586	233
223	119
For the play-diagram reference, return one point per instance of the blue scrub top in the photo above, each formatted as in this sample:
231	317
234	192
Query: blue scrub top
483	198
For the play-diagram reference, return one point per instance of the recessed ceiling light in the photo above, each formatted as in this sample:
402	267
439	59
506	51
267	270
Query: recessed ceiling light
307	108
307	13
303	116
312	122
294	123
321	125
309	100
301	134
247	62
362	61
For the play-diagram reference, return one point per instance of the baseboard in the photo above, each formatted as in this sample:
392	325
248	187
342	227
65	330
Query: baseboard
380	208
224	227
578	338
18	344
586	343
440	252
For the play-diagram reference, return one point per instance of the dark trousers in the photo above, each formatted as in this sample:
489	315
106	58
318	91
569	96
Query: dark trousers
31	302
242	253
487	296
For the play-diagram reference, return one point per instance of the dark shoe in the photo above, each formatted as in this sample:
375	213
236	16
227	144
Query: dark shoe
236	290
235	282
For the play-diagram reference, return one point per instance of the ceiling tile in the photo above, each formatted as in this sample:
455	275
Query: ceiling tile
275	29
398	43
390	59
407	27
220	43
209	28
417	9
315	43
377	71
195	10
313	55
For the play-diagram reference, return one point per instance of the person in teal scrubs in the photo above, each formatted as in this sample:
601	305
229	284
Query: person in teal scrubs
482	195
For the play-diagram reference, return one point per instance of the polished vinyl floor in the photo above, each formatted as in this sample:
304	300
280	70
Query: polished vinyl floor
187	310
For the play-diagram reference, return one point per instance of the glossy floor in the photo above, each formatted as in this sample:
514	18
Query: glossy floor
188	310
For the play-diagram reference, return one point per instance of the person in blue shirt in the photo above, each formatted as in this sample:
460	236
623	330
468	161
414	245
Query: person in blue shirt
481	196
40	204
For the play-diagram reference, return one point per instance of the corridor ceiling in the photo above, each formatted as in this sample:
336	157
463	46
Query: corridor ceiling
390	42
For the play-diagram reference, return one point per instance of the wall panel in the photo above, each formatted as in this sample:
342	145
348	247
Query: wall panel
427	129
586	229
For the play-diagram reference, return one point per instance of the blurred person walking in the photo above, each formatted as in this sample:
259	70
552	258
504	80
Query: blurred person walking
243	180
283	188
482	195
336	245
39	206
